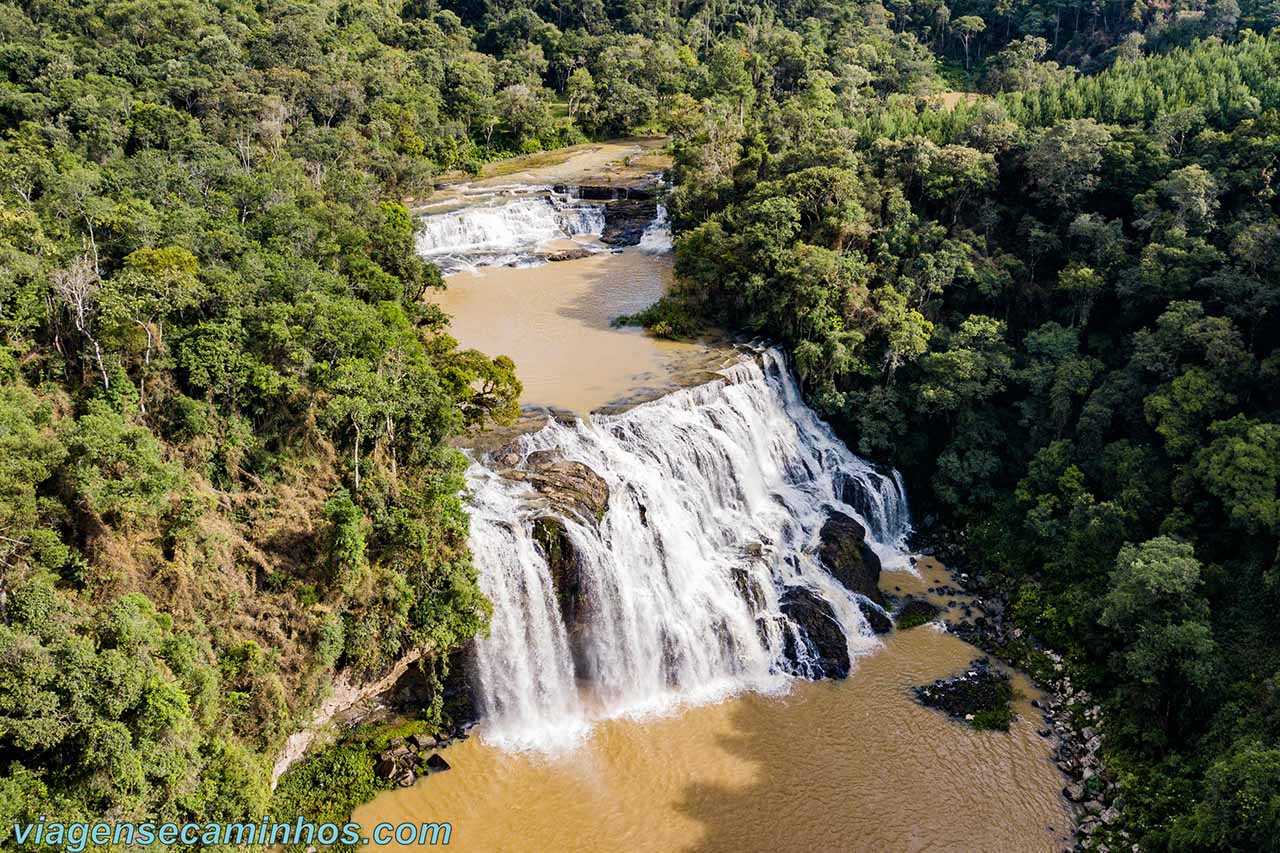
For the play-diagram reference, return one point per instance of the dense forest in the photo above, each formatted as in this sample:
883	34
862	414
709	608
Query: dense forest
225	413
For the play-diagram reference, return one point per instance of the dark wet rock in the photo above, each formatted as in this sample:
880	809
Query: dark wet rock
827	652
625	221
981	696
436	763
570	486
598	192
844	551
749	589
915	611
567	255
461	709
552	537
876	618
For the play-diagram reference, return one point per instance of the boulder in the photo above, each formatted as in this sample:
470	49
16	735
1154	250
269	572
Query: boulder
844	551
876	618
567	255
915	611
827	655
570	486
625	221
436	763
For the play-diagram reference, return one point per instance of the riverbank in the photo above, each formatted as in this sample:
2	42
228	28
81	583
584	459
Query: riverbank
1069	716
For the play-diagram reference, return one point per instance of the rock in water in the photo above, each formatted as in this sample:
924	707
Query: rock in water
827	655
876	618
846	554
436	763
567	255
915	611
982	696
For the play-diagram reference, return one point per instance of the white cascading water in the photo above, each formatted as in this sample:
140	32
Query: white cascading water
504	230
657	237
729	478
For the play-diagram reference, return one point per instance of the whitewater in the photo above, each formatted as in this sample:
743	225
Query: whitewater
717	496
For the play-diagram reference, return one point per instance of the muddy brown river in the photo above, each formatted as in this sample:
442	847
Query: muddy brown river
847	765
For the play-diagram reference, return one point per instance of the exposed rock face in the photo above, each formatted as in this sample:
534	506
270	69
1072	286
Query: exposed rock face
749	590
595	192
570	486
828	651
461	709
846	554
562	559
625	221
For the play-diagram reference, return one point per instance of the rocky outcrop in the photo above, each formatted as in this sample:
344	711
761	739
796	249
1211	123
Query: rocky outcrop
853	491
844	551
625	221
749	590
349	694
827	652
406	760
982	696
915	611
571	487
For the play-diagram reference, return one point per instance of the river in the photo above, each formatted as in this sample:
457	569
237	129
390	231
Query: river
664	712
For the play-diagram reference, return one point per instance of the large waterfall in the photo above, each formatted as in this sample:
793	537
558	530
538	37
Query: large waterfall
503	229
717	494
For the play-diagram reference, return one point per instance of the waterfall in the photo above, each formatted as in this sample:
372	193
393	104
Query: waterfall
717	494
501	229
657	237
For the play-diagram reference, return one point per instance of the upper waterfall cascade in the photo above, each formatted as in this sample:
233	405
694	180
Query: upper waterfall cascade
504	228
717	494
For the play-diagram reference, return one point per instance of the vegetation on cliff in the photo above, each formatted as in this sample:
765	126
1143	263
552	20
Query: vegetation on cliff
1054	308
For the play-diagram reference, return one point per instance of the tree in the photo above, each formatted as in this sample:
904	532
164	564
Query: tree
1241	468
1063	164
580	93
968	26
1162	623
